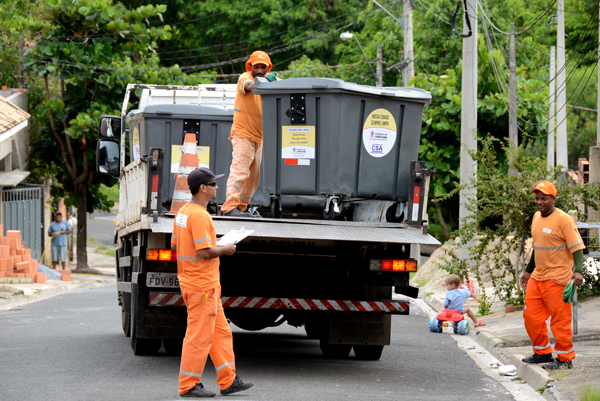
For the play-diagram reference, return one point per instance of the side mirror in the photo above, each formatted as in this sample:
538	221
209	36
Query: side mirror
108	157
109	127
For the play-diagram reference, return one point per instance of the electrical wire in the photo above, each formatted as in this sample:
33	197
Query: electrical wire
524	30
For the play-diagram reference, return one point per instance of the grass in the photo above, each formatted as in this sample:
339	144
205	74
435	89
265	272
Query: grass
588	393
429	293
102	249
541	389
560	373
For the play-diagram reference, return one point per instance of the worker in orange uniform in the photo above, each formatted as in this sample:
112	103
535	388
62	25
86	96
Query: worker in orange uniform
557	247
195	241
246	137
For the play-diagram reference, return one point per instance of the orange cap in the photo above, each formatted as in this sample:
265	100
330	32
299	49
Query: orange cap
258	57
545	187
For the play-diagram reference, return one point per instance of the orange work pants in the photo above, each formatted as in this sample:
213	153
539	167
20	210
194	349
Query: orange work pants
207	334
542	300
244	173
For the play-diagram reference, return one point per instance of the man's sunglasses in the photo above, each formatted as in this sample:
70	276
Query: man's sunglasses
211	184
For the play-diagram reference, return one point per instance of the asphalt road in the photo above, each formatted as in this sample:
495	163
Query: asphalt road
71	347
101	227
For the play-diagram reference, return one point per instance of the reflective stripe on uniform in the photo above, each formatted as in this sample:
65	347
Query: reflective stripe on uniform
564	352
188	258
174	236
190	373
225	365
544	347
549	248
234	186
238	110
244	197
202	239
578	243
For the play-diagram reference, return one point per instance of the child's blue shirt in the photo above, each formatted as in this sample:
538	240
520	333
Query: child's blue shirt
455	299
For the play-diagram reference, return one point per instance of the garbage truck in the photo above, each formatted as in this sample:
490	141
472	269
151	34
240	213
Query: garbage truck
342	200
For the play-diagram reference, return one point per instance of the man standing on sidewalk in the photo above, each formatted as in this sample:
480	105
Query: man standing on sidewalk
59	230
208	333
246	137
557	247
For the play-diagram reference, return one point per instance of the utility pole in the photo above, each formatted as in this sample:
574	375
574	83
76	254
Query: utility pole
408	72
552	111
513	134
561	91
21	68
468	121
379	65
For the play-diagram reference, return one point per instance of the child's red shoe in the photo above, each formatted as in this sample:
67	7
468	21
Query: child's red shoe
479	324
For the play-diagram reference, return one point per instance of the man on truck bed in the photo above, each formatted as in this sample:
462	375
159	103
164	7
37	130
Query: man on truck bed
246	137
208	333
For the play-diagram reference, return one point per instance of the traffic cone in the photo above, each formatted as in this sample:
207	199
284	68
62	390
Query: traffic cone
188	162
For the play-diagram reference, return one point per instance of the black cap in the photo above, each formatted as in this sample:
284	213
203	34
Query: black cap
200	176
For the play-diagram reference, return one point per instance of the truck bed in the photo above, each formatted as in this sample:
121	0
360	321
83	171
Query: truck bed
301	229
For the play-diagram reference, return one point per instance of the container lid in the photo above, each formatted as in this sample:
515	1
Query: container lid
263	86
181	111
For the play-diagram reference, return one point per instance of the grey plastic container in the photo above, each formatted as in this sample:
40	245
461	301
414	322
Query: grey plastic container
358	155
164	126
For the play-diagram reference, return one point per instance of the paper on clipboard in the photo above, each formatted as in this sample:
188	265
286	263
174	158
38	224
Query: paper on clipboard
234	236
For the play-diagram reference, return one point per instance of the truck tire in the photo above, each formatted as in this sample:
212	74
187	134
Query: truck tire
252	320
335	351
126	321
145	346
368	352
173	346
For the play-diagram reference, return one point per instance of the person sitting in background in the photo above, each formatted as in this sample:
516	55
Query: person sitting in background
456	296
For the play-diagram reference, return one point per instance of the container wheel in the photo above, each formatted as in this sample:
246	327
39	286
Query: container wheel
390	215
463	327
276	211
368	352
335	351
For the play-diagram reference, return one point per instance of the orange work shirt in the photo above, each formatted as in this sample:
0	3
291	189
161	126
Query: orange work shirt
247	112
555	238
194	229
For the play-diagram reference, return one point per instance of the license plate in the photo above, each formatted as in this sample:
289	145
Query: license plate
163	280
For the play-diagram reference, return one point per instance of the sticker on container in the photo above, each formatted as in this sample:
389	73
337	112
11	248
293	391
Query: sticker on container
298	142
136	143
298	162
379	133
203	157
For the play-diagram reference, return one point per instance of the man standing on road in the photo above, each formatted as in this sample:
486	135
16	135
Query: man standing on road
208	333
59	230
246	137
557	247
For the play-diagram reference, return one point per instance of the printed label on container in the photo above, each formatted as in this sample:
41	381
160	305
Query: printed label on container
298	142
379	133
203	157
136	143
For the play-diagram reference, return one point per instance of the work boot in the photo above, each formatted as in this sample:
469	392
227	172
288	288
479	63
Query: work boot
537	358
237	213
557	364
198	392
237	386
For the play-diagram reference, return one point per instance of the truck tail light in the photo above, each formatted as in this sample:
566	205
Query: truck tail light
393	265
163	255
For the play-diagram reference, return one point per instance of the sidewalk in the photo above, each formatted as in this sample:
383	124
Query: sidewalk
504	336
12	295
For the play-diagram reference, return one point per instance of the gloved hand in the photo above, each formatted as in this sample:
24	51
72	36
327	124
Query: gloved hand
271	77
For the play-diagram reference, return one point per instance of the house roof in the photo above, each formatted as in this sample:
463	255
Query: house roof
10	115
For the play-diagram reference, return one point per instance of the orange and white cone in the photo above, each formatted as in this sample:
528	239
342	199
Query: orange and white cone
188	162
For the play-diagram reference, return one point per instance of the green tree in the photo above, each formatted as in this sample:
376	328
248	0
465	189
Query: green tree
92	49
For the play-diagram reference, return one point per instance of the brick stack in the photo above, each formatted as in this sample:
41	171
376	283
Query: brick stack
65	275
15	260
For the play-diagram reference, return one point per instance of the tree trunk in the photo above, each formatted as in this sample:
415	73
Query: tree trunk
82	260
441	218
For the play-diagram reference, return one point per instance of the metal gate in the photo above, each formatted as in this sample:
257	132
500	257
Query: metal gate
23	209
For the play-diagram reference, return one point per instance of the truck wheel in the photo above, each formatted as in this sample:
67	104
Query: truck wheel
146	346
314	328
126	321
368	352
336	351
254	320
173	346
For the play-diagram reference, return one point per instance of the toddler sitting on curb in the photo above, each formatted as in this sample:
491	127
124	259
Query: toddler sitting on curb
456	296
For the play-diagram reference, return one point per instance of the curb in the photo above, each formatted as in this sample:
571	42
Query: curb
535	375
18	296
